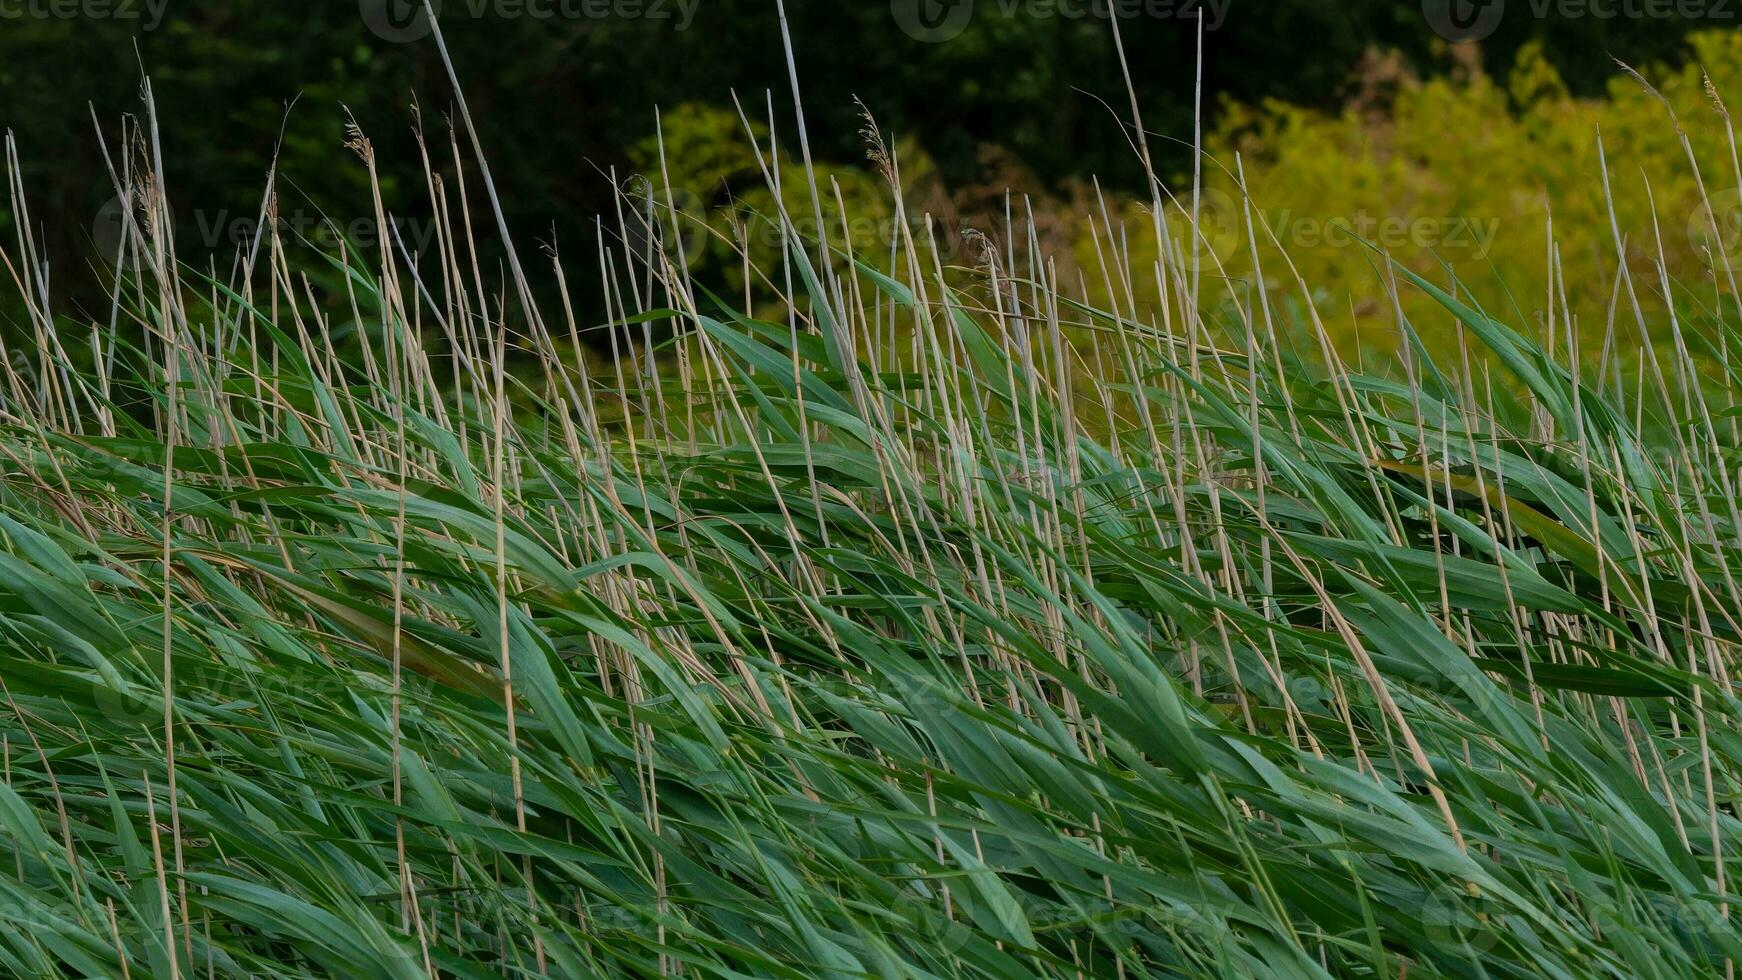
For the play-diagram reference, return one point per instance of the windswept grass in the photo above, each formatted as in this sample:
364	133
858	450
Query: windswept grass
934	631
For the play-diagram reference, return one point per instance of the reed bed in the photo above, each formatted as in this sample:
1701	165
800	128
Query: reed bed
939	624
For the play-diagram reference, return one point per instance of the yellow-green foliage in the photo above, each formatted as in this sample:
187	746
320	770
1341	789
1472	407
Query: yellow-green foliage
1455	175
715	176
1456	160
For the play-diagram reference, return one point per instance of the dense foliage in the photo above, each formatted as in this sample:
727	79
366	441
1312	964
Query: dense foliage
927	626
570	92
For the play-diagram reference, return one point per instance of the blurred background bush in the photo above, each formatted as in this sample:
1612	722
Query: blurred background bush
1351	115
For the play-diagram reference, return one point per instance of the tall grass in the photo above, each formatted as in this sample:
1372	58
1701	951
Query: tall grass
950	626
